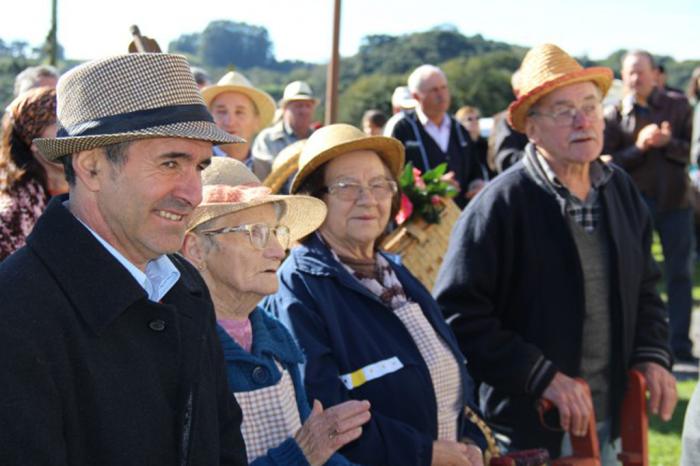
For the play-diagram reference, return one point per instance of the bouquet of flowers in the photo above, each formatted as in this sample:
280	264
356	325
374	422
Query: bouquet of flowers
423	195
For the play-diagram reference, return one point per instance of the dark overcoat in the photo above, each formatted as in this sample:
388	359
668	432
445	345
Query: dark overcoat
93	373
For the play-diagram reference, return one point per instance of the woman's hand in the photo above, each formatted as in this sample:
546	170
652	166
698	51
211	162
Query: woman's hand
448	453
326	431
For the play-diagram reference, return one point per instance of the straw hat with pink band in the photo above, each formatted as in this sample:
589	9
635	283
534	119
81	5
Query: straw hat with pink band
228	186
544	69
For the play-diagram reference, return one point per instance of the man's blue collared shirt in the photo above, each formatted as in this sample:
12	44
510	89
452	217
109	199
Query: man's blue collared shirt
161	274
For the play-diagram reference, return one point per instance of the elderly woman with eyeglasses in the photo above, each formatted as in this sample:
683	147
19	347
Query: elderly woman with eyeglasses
368	328
237	239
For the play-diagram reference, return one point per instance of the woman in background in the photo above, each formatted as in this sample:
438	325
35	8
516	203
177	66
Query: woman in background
27	178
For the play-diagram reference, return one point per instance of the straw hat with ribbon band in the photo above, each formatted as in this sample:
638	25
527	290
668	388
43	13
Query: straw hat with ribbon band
229	186
333	140
297	90
544	69
128	97
234	81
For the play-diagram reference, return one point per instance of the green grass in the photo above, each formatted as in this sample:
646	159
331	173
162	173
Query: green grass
665	437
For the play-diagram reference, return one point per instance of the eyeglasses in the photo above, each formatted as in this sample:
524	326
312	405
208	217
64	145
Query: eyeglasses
347	191
565	116
258	233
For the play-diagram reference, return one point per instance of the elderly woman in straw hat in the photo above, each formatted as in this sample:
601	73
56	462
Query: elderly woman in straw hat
239	109
368	328
237	239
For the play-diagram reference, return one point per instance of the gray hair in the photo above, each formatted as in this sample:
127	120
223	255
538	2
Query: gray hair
420	75
30	77
201	77
639	53
116	155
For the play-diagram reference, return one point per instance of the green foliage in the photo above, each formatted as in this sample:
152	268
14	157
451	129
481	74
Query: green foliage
665	437
224	43
482	81
371	91
423	195
478	69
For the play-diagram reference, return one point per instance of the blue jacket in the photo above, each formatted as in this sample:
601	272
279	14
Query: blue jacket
256	370
342	327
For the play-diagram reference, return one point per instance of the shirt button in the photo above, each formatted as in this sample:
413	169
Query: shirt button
157	325
260	375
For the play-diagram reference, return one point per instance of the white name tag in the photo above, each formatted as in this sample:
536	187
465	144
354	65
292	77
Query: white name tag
371	372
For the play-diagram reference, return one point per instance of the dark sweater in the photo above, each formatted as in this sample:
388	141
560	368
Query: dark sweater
460	156
513	275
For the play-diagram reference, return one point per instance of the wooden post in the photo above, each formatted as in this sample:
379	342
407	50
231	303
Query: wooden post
51	40
333	70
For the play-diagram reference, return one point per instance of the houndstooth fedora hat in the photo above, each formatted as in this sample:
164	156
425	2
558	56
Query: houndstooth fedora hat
128	97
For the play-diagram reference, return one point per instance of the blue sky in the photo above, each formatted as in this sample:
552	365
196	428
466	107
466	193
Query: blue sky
301	29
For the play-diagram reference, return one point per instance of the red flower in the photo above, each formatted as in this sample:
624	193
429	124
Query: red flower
417	180
405	211
435	200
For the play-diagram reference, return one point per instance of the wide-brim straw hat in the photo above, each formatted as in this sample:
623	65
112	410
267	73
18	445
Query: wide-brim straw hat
334	140
285	165
229	186
129	97
234	81
546	68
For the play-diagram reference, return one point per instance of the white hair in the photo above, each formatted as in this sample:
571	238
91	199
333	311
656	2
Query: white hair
420	75
30	77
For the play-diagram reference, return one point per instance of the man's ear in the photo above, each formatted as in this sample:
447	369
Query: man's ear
531	130
193	251
88	165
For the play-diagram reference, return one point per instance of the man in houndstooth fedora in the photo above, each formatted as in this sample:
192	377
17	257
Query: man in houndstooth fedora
108	350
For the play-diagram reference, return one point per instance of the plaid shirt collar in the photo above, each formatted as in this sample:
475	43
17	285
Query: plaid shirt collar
586	213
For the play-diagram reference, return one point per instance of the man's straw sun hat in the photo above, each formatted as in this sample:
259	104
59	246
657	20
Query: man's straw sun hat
128	97
544	69
297	90
334	140
233	81
229	186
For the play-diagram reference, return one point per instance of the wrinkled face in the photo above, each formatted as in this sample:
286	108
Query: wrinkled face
434	95
358	222
146	202
236	114
577	143
299	113
234	263
638	75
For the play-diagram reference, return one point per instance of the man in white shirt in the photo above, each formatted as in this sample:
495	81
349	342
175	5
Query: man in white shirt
432	136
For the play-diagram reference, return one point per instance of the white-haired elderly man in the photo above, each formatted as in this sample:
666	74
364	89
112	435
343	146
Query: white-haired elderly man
432	136
550	272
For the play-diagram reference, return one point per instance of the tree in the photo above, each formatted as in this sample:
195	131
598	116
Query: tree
368	92
186	43
226	43
482	81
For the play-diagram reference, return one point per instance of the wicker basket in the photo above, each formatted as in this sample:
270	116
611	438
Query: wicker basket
422	246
